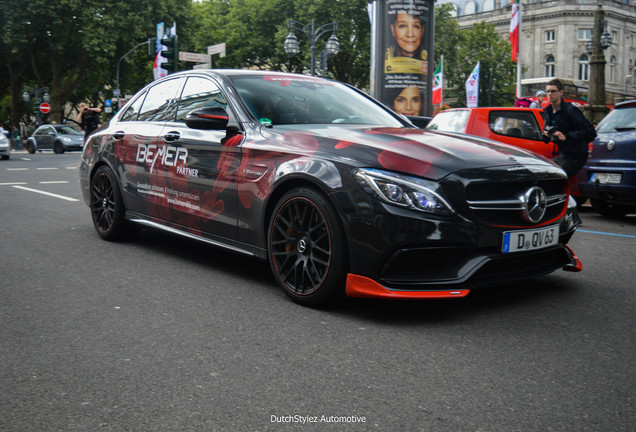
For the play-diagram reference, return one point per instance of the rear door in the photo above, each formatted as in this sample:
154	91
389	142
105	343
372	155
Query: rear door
140	148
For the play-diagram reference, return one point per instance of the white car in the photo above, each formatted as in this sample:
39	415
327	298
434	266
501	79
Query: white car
5	146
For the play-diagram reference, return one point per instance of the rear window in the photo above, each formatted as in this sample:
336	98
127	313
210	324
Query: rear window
620	119
450	121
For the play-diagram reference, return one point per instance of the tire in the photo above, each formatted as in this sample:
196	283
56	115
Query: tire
107	206
30	147
307	249
58	147
5	157
608	209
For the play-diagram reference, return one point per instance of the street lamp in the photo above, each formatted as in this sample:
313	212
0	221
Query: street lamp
596	107
313	34
40	94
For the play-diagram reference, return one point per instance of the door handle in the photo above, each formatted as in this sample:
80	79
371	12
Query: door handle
119	135
172	136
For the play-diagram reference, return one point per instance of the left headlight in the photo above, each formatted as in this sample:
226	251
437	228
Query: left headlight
403	191
66	139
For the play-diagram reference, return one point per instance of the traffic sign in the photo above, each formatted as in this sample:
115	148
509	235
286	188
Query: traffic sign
217	49
193	57
108	102
45	108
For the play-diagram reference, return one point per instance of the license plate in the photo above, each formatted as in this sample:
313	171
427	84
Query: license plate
525	240
606	178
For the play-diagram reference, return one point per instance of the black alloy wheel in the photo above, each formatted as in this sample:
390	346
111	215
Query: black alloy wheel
107	207
306	248
58	147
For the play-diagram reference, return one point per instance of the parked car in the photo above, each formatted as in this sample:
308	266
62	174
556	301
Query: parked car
56	137
519	127
5	147
609	176
339	193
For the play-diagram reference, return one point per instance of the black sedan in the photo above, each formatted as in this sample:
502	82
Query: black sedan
56	137
339	193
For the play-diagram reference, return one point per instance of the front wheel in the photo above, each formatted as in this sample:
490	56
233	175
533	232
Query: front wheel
30	147
58	147
107	206
306	248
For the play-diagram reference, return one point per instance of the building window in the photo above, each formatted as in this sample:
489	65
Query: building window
612	69
584	67
470	8
488	5
585	34
550	36
549	66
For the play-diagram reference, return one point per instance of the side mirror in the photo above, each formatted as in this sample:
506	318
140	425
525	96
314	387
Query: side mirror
213	118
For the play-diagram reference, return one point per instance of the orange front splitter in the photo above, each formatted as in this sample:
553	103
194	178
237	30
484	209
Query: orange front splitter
363	287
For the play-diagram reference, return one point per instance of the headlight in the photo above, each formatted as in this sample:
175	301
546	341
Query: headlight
403	191
66	139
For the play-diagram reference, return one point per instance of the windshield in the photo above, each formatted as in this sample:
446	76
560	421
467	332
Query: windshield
450	121
67	130
619	119
293	99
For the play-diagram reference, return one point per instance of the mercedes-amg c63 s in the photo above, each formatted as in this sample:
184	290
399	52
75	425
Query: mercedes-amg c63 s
342	195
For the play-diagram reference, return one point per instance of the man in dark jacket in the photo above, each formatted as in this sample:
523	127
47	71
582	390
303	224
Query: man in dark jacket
568	128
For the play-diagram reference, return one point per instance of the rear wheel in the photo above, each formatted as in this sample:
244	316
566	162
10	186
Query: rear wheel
608	209
58	147
306	248
107	206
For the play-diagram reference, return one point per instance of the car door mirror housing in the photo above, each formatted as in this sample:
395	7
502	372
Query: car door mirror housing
212	118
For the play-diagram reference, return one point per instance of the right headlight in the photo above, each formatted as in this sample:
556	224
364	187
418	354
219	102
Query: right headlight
403	191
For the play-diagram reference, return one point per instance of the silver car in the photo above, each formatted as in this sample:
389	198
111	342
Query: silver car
5	146
56	137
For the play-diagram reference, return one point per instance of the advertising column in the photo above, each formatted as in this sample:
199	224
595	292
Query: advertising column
403	31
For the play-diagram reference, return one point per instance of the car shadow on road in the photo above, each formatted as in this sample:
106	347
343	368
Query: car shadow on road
480	302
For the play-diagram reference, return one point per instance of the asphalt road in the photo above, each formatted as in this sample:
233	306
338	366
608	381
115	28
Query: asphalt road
163	334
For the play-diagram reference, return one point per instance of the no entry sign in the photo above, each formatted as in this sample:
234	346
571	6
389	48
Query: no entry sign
45	108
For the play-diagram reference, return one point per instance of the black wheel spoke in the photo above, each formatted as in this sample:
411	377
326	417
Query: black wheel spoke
300	246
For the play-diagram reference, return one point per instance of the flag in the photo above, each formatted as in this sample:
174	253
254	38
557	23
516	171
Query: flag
514	29
472	88
438	82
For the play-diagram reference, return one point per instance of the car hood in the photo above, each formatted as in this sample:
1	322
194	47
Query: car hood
427	154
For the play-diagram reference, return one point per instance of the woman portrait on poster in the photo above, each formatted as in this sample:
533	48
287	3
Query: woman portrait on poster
407	100
407	31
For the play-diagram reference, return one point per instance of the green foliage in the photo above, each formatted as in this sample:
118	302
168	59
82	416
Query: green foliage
462	49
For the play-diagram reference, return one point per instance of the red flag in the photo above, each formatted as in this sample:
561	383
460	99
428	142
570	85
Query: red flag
514	29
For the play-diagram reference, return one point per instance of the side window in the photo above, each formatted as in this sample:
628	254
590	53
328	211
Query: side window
160	102
133	110
199	93
514	124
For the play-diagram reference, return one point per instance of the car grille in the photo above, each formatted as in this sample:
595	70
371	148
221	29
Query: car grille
503	204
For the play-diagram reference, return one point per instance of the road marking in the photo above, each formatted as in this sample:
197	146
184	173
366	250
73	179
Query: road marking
606	233
46	193
53	182
72	168
13	184
17	169
50	168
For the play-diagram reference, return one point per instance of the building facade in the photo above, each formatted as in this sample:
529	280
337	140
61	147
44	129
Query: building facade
555	35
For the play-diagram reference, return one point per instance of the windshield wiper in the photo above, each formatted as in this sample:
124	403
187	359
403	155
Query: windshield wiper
625	128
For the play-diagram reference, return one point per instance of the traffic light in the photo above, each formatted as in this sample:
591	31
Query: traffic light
170	53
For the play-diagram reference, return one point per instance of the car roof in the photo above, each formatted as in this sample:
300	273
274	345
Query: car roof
626	104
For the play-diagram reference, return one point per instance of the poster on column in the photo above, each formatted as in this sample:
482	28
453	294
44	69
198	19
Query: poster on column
406	44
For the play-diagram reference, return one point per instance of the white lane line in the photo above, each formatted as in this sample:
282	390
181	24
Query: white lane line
12	184
44	169
72	168
46	193
17	169
53	182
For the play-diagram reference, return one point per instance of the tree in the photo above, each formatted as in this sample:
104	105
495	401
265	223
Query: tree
462	49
